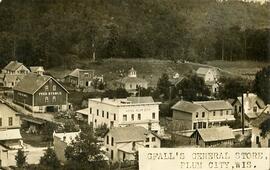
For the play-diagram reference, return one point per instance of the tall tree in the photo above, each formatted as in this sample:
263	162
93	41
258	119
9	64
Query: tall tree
262	84
20	159
164	85
85	150
50	160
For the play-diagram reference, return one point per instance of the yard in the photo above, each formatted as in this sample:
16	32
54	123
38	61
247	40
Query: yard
246	69
34	140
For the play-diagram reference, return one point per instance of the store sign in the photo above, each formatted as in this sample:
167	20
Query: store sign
50	93
204	158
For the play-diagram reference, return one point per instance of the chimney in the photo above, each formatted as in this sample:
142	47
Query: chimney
247	93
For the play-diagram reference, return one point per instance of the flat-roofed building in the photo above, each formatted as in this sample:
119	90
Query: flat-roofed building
138	111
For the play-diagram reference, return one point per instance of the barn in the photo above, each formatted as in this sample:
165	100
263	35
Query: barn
41	93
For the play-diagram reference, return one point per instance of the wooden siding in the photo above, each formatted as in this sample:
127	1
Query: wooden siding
23	98
60	95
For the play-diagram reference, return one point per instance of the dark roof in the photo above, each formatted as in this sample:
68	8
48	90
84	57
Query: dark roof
131	80
147	99
216	134
186	106
260	119
175	81
13	78
129	133
13	65
215	104
33	82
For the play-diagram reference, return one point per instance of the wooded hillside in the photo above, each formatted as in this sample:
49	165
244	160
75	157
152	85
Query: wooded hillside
57	32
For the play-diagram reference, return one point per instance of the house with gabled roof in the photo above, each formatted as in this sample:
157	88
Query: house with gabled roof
209	74
260	131
41	93
15	68
202	114
253	105
13	73
218	136
37	69
121	143
82	78
189	115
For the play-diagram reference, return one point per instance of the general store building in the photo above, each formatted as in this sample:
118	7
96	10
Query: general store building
138	111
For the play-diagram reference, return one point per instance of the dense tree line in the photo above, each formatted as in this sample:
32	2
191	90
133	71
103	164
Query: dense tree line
55	32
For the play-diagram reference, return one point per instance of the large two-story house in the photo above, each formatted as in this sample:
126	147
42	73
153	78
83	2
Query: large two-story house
203	114
13	73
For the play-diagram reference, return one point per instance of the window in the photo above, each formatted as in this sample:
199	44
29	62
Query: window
102	113
46	88
227	112
124	117
147	140
107	115
197	114
221	113
139	116
54	99
133	146
257	140
46	99
10	122
204	124
153	115
90	110
97	112
108	140
54	87
147	146
199	125
255	109
194	125
112	141
153	139
111	154
240	109
114	116
214	113
203	114
130	86
0	121
132	117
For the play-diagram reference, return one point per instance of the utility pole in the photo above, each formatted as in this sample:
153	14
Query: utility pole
243	124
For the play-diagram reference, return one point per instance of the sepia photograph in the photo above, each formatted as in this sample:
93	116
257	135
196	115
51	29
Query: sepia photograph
134	84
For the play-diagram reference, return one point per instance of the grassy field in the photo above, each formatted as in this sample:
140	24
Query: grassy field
240	68
150	69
